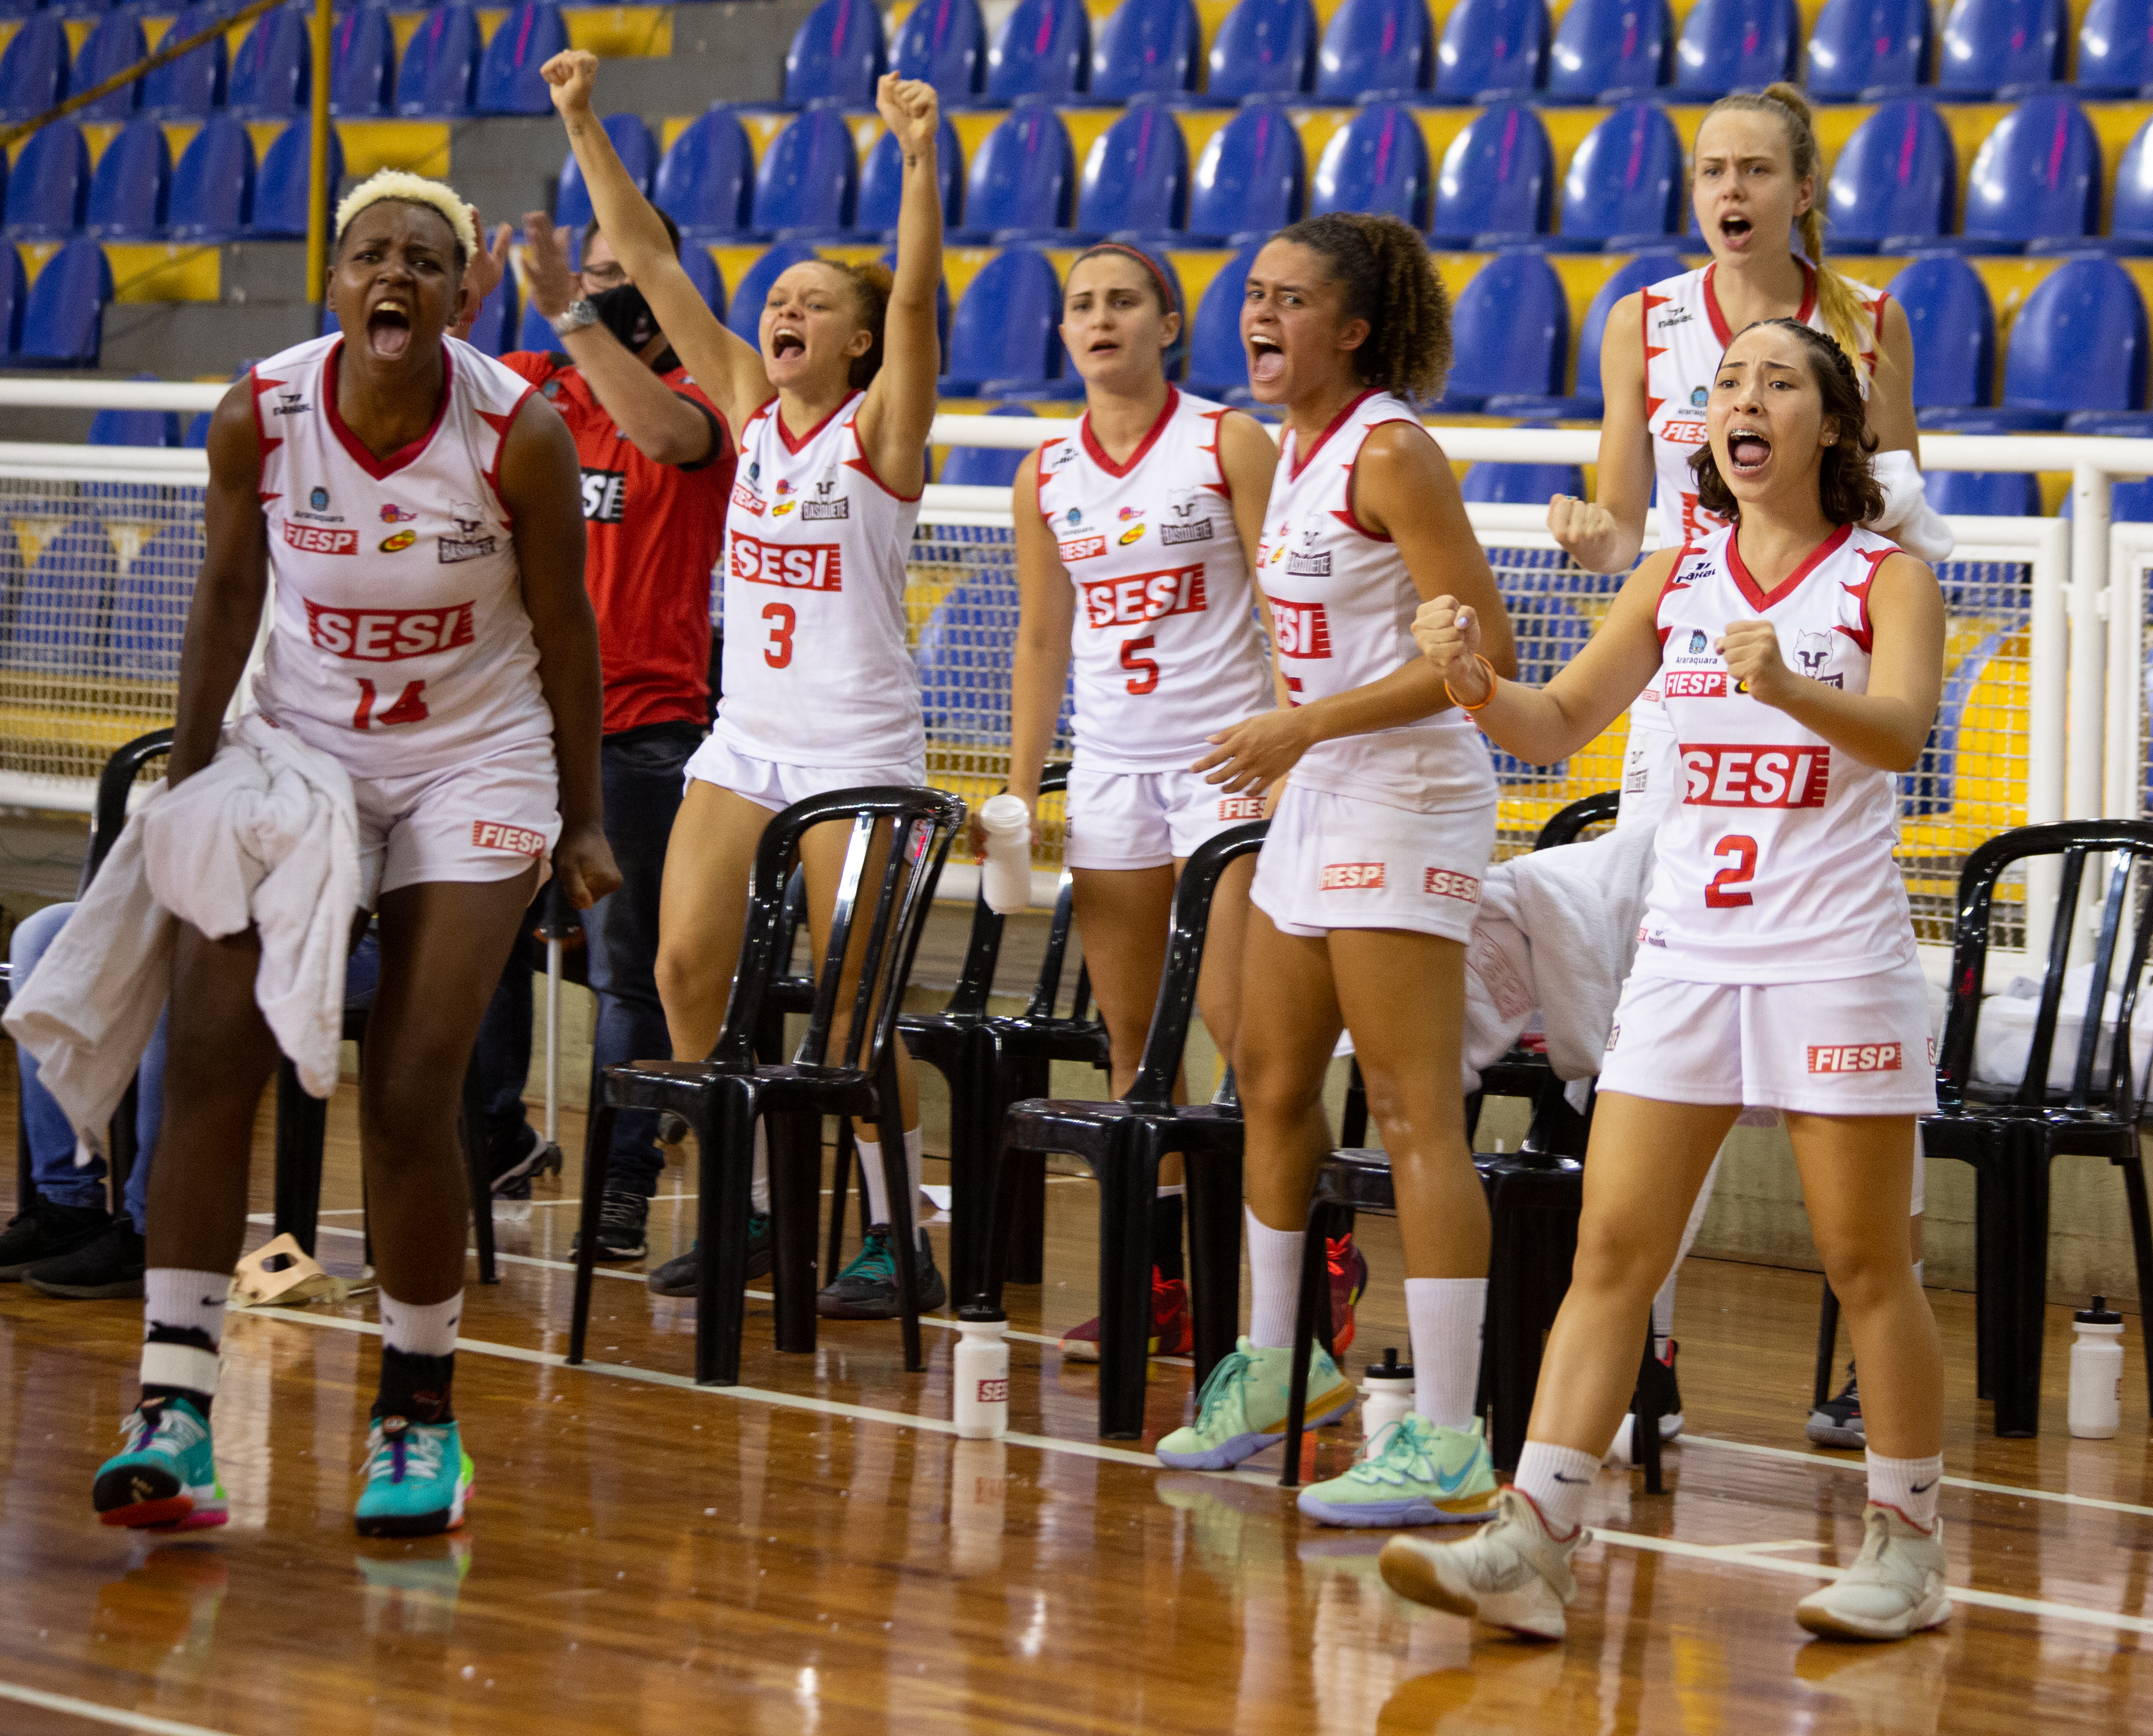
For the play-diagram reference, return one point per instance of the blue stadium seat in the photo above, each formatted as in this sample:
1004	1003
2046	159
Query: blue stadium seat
1990	47
135	427
1521	485
197	439
703	272
440	71
363	64
213	187
704	178
2115	47
2035	178
1023	177
33	71
985	467
836	55
1004	340
1954	330
14	297
1610	51
194	83
508	81
744	315
280	185
1984	493
63	320
881	183
1135	180
1497	181
1218	361
1868	48
638	153
809	178
1736	45
943	42
1251	180
269	73
115	45
1892	186
127	193
1587	402
1510	332
1264	48
1378	162
49	189
149	605
1374	49
1491	50
2079	343
1043	49
1624	188
495	329
62	603
1146	48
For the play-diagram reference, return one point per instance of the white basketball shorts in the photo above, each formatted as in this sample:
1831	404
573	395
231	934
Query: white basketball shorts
1146	819
1338	862
488	820
774	785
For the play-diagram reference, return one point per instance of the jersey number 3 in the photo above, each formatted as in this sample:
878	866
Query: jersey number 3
411	707
778	653
1722	892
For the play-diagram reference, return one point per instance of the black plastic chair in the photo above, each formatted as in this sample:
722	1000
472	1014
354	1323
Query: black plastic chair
1123	1141
722	1097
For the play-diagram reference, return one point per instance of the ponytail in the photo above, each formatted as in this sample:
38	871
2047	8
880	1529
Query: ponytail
870	284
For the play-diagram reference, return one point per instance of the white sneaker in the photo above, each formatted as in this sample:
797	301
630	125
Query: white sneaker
1511	1574
1895	1588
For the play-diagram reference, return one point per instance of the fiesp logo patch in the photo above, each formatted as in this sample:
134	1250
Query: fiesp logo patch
1694	685
1353	876
319	539
1241	807
516	840
398	542
1082	548
747	499
1449	884
1856	1057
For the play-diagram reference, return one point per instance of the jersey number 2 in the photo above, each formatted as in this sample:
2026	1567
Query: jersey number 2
410	708
778	653
1721	894
1144	673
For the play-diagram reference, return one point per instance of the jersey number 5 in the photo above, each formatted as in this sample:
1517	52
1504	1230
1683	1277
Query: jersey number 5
1721	894
778	653
410	708
1144	673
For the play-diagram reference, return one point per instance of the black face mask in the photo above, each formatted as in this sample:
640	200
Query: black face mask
622	310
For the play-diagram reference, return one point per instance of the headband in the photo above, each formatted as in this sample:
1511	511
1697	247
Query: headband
1168	299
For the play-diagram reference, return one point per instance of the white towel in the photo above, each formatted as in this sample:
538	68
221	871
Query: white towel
268	834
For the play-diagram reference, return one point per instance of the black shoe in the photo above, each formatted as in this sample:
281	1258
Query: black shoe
677	1277
673	1129
622	1221
524	1155
1837	1423
867	1289
1664	1392
109	1266
45	1231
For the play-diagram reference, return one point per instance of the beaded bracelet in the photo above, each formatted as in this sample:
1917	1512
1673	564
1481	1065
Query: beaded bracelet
1483	704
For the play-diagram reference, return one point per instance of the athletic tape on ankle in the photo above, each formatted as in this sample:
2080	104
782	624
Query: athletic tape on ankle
186	1366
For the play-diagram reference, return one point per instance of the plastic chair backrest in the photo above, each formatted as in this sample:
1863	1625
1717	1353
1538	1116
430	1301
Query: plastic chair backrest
1375	48
1264	48
109	816
1735	45
985	467
1146	48
744	315
882	181
2080	342
1006	326
49	189
132	181
1639	271
63	600
809	174
63	320
2115	47
363	64
1954	330
269	73
1859	44
281	185
2038	174
1024	174
1160	1063
1626	45
704	179
1988	45
149	605
14	299
836	55
1510	329
194	83
943	42
440	63
2130	209
1894	176
115	45
1497	175
508	81
1217	361
213	186
1530	485
638	153
495	330
1567	826
1251	177
1984	493
134	427
1377	162
1626	177
1043	49
33	70
1497	48
1135	174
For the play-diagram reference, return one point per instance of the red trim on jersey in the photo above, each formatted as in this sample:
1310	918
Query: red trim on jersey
865	466
500	424
794	446
381	469
1302	460
1719	320
1865	635
264	443
1222	487
1097	453
1667	584
1647	301
1757	595
1039	474
1349	517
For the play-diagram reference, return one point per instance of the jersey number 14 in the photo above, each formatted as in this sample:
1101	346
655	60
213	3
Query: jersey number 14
411	707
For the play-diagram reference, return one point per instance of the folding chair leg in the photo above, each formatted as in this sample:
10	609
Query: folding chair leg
1827	1350
2022	1293
1128	1180
1312	1306
795	1174
481	1183
724	1141
301	1127
597	1151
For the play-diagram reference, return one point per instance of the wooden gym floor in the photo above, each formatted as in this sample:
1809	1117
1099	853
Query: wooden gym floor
814	1551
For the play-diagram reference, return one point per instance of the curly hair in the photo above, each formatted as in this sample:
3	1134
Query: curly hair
1847	488
405	188
1390	282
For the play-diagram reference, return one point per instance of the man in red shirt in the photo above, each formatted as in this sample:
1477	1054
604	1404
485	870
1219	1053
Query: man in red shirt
657	469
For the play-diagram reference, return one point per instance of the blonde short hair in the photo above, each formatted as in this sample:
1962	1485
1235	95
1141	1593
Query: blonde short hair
413	189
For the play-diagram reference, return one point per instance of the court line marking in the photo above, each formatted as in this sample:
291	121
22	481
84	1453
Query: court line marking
93	1713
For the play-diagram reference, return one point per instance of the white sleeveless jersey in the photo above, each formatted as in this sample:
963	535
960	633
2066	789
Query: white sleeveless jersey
815	668
1342	605
1775	866
398	640
1166	648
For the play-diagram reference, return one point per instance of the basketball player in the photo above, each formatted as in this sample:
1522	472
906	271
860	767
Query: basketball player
417	504
1799	660
1365	888
831	414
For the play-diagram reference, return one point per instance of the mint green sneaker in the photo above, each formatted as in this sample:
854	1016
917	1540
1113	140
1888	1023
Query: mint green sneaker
1413	1473
164	1479
418	1478
1242	1408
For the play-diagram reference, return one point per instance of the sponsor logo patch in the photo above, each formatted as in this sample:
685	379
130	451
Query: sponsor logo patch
1697	395
795	566
1308	566
391	513
449	550
1134	533
1856	1057
823	508
1683	431
516	840
605	496
1304	630
1353	876
1199	531
291	404
1083	548
782	508
318	499
396	542
747	499
1812	652
1738	775
388	636
1694	685
1143	597
309	539
1241	807
1449	884
1698	642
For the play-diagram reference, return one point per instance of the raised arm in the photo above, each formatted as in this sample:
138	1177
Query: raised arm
229	590
1046	621
894	422
729	371
1604	535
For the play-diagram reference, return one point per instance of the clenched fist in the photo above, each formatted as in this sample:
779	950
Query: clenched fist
1448	635
1588	534
1752	651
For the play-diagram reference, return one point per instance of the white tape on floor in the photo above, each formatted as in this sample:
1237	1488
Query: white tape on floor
92	1713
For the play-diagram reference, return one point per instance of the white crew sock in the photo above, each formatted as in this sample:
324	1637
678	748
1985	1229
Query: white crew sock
1558	1479
182	1325
1273	1282
1909	1484
915	1163
1663	1303
1443	1314
758	1187
421	1329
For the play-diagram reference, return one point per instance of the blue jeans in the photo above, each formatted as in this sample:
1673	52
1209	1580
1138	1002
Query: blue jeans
642	771
51	1140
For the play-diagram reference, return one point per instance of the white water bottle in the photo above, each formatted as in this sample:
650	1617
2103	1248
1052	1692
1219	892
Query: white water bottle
1387	1395
2097	1372
978	1373
1005	874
